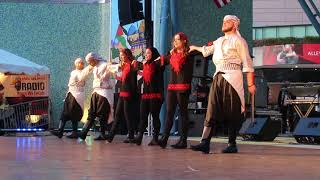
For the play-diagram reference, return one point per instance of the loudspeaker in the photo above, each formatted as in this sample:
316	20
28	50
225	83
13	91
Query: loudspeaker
263	129
307	131
129	11
200	65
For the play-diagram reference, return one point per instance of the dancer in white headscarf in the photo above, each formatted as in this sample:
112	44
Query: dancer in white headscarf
74	101
226	99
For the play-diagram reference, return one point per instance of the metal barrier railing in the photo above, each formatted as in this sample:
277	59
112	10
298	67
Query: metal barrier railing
27	116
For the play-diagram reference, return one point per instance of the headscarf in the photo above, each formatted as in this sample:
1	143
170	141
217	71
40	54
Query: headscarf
155	53
235	20
93	56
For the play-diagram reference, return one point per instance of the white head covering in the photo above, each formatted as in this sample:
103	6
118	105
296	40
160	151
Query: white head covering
235	20
78	60
94	56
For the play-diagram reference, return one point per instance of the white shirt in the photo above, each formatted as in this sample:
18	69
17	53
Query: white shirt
231	50
76	84
103	84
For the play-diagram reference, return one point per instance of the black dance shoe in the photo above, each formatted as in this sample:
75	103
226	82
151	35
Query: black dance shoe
232	148
154	142
163	142
203	146
57	133
181	144
73	135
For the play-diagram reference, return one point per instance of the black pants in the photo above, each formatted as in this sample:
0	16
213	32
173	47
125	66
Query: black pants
124	105
100	108
152	106
71	109
224	105
173	99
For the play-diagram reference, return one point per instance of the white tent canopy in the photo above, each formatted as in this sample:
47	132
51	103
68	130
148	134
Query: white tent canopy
11	63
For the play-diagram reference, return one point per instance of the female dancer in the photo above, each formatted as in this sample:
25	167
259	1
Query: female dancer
179	87
128	94
152	96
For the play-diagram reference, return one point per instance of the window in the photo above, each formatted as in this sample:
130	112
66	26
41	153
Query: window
284	32
269	32
299	31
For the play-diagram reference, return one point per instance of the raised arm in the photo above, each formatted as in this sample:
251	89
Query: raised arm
85	73
164	60
205	50
137	65
107	73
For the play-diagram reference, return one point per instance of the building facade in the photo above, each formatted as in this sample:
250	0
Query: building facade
280	19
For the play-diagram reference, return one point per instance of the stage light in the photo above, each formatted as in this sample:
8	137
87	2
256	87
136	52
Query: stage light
29	129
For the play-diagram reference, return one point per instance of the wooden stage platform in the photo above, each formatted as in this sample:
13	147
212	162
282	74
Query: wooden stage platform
46	157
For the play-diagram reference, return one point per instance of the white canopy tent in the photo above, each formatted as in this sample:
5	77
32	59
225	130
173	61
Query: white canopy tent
25	91
13	64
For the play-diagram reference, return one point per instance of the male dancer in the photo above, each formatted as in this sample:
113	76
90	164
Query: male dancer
226	97
101	97
74	101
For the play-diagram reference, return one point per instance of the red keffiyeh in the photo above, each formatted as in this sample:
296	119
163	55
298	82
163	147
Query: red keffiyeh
177	60
148	71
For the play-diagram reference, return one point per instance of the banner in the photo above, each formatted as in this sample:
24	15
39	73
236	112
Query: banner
130	36
287	54
24	85
311	52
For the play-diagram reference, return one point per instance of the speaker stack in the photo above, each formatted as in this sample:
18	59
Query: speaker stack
129	11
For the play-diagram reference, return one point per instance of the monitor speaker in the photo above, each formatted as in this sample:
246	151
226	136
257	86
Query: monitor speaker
262	129
307	131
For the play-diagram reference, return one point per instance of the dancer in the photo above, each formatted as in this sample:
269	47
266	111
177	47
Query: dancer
179	87
152	96
128	94
226	97
101	97
74	101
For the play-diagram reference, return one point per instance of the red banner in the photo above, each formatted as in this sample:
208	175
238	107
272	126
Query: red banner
311	52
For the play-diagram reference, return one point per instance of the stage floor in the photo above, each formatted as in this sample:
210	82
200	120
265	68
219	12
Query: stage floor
46	157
